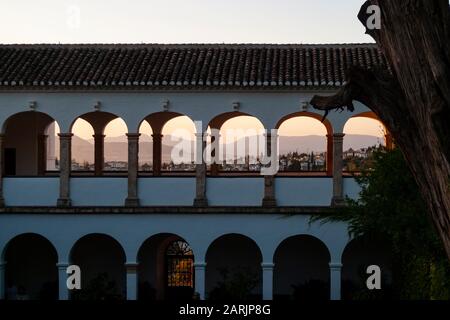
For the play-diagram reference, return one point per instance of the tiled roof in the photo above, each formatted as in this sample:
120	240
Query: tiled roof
182	66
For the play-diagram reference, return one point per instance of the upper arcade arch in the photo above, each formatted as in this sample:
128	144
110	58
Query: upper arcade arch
294	157
25	143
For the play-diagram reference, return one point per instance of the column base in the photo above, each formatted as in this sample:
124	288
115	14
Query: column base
338	202
269	202
200	202
132	202
64	203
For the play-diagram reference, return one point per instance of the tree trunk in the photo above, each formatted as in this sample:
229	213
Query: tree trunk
412	98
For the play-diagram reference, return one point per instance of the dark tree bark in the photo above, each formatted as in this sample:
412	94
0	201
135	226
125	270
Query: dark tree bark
413	97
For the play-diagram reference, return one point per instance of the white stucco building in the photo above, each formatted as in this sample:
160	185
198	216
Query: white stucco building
160	235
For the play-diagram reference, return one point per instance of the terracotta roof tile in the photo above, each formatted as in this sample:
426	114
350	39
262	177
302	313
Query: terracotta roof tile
182	66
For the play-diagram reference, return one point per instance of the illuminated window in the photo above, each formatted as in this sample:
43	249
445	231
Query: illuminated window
180	265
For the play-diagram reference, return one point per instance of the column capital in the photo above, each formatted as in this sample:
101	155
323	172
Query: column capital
335	265
133	136
200	134
338	135
65	135
62	265
131	267
200	264
157	135
98	135
267	265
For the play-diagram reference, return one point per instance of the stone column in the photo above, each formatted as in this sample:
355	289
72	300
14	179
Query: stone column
329	154
62	281
2	280
132	280
335	281
65	163
41	154
200	279
133	160
269	179
338	182
267	280
157	153
200	172
2	141
99	150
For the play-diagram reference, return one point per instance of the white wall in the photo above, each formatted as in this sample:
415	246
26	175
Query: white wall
166	191
36	191
235	191
303	191
104	191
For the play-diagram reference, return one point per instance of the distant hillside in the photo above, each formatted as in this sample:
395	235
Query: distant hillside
116	147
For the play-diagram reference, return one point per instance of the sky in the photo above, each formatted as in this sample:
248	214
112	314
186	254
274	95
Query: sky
187	21
180	21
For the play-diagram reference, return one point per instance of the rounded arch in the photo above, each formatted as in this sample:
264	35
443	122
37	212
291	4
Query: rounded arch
100	142
301	269
29	148
364	134
305	144
101	259
30	270
97	119
233	260
162	276
360	253
236	142
313	115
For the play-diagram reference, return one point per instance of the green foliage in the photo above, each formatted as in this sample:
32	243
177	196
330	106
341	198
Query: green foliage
237	284
99	288
390	208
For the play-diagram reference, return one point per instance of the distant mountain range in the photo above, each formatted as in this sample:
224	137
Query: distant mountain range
116	147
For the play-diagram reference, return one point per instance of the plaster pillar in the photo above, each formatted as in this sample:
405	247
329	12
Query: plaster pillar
65	163
269	179
335	281
267	280
132	280
329	155
133	149
99	150
200	172
215	152
62	281
200	279
2	140
338	182
157	153
2	280
41	154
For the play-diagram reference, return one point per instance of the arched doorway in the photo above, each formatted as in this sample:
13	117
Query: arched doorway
31	272
102	263
233	269
179	270
166	268
301	269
